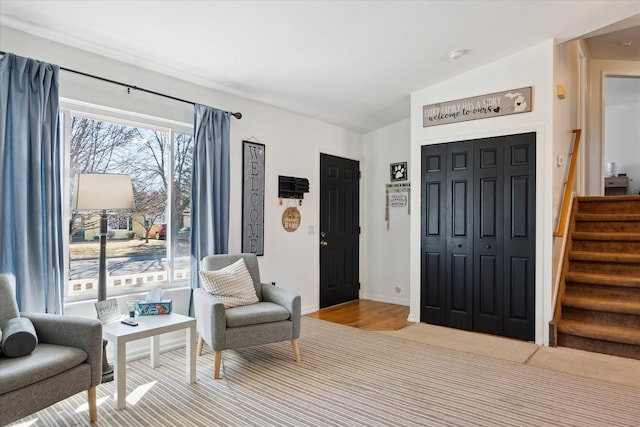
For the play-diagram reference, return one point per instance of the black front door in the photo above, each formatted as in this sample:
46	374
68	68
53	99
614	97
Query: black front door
339	230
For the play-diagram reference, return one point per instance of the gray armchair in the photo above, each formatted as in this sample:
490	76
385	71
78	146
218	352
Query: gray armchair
276	317
66	360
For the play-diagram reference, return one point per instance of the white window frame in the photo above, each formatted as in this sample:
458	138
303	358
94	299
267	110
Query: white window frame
68	108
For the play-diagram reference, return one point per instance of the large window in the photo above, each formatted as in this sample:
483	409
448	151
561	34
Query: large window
149	245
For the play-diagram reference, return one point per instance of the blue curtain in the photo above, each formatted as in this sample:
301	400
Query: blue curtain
209	187
30	187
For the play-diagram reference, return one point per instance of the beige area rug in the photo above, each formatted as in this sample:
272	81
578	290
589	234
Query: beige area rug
349	377
614	369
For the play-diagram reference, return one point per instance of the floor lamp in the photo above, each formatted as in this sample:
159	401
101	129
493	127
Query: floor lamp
103	191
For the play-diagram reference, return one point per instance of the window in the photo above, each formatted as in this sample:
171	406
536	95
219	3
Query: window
149	245
118	221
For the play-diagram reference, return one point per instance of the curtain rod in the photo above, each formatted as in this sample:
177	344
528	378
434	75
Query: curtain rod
237	115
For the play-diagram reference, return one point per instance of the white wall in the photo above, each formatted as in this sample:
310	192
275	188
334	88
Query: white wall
565	115
531	67
565	120
386	251
622	132
293	145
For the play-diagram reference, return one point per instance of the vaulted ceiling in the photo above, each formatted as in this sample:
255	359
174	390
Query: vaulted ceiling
350	63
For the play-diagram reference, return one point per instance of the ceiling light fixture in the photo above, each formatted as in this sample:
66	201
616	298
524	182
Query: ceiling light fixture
457	53
627	43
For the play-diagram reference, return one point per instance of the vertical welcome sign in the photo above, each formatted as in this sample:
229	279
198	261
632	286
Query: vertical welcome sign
253	197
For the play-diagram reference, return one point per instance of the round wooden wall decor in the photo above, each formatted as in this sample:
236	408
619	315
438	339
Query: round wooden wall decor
291	219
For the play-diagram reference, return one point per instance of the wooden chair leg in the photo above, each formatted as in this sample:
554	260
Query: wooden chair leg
296	351
93	408
216	364
200	344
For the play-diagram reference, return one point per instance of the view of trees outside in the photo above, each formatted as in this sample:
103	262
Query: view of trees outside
144	154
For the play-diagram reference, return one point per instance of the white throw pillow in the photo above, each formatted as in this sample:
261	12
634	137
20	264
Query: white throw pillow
232	284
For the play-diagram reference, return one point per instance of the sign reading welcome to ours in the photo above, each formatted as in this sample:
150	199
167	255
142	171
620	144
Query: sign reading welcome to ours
497	104
253	197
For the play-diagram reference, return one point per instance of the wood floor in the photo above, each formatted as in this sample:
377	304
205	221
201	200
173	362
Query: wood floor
367	315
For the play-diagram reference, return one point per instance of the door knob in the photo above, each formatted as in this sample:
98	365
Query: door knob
323	243
488	246
459	245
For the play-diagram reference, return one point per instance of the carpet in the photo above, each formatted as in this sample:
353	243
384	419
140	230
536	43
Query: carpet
350	377
614	369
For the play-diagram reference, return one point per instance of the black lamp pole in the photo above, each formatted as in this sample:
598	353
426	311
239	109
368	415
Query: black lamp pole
102	269
107	369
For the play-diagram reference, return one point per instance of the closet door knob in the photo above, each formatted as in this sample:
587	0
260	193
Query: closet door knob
488	246
459	245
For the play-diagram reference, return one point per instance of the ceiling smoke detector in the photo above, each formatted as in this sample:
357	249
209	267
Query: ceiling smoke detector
455	54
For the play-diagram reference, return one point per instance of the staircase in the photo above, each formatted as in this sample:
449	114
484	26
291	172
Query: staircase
598	305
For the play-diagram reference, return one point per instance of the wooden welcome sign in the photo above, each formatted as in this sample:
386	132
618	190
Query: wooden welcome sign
497	104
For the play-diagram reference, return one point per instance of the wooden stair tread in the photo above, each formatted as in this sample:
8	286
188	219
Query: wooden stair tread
607	217
610	199
600	332
604	257
612	236
603	279
605	304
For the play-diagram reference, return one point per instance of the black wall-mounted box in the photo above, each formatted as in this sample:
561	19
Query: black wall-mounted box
290	187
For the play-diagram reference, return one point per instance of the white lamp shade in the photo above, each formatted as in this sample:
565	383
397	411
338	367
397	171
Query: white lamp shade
103	191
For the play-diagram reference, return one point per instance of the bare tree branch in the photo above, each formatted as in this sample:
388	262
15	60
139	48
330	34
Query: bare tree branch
98	146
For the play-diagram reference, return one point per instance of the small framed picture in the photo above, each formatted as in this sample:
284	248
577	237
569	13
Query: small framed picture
399	171
108	310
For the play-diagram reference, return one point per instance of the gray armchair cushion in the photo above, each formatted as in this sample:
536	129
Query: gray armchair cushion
19	338
254	314
44	362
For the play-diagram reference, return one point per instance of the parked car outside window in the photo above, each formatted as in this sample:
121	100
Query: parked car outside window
158	231
184	234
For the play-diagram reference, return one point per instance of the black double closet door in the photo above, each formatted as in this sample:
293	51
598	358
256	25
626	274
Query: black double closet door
478	235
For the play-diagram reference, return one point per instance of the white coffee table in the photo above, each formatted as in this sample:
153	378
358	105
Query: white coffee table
148	327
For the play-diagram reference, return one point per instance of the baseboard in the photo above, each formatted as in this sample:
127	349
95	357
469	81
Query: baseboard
386	298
